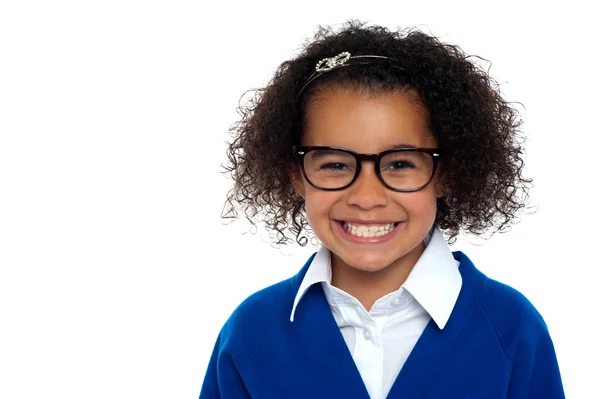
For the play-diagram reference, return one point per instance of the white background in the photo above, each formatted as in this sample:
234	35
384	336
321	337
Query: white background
116	273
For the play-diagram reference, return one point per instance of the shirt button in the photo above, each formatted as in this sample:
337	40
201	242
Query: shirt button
367	334
396	301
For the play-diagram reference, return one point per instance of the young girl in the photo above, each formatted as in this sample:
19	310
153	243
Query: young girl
382	142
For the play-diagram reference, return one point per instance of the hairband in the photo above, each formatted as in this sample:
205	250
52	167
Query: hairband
340	60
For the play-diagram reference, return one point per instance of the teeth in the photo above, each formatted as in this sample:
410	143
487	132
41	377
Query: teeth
368	231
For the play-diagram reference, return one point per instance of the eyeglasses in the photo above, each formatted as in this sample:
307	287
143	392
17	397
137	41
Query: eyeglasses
402	169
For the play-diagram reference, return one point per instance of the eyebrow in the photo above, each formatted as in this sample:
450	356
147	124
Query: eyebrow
322	153
399	146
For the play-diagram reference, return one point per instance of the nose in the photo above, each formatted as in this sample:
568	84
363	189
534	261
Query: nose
367	191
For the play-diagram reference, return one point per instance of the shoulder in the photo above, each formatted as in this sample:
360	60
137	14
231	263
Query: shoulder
505	304
499	301
502	304
525	340
259	310
255	318
515	319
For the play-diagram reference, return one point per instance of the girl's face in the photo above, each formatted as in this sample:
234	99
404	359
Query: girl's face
368	124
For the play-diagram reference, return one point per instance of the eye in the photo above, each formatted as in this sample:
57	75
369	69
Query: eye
330	162
335	166
399	165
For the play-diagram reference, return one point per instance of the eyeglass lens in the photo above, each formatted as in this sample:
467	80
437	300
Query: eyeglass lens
401	170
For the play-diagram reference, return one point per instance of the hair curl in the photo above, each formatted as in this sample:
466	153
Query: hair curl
477	130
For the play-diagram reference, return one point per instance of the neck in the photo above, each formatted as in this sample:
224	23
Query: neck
367	286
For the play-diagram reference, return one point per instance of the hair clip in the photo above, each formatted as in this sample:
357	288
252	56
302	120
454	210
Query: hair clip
341	60
327	64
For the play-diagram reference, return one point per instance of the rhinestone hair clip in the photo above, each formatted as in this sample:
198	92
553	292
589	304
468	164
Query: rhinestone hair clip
340	60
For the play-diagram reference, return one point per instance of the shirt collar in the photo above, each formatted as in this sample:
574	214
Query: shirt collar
434	281
319	271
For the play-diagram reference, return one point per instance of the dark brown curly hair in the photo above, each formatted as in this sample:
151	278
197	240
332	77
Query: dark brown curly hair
477	130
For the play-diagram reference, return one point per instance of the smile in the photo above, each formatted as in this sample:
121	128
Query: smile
368	230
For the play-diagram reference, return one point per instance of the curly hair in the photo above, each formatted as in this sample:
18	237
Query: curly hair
477	130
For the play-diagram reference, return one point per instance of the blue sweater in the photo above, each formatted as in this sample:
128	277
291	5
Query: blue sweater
495	345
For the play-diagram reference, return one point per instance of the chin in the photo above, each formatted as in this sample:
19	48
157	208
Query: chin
367	262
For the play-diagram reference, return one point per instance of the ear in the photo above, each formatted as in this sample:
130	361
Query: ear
297	180
441	188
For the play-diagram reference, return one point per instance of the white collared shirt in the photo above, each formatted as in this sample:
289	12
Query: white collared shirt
397	320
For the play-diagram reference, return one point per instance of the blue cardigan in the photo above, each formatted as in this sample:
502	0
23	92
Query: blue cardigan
495	345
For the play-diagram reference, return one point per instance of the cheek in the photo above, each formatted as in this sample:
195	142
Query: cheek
318	203
421	203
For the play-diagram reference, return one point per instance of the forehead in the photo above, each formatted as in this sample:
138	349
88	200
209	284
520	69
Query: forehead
365	122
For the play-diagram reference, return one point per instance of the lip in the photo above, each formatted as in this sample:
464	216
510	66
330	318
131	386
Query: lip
368	222
367	240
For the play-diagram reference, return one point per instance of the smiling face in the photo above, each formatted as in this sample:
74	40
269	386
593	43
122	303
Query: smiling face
341	219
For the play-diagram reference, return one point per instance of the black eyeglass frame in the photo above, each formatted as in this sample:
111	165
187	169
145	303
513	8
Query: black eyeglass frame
301	151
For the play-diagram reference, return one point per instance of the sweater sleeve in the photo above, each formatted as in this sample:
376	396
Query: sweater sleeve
536	373
222	379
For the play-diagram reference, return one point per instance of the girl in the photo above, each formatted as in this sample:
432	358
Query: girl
381	142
